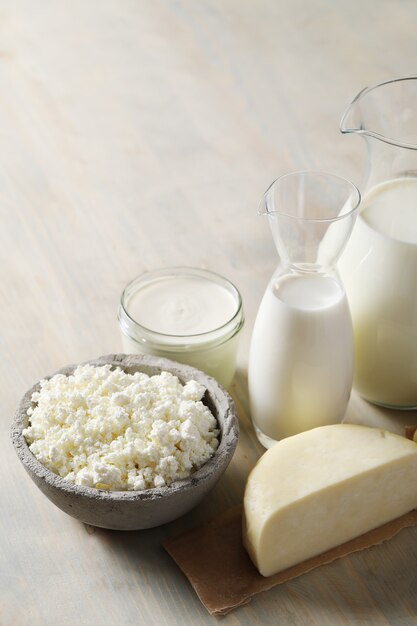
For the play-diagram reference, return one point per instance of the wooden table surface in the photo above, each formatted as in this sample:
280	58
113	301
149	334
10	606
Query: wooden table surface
136	135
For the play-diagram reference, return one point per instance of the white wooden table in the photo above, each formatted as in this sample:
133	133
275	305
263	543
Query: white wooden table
136	135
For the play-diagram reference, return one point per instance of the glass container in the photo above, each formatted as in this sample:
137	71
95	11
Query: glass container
301	354
379	265
189	315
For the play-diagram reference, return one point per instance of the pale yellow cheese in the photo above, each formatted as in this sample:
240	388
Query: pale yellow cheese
321	488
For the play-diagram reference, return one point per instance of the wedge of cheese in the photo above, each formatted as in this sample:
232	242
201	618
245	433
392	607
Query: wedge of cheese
317	490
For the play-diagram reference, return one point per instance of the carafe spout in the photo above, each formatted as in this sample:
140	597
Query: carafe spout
352	119
266	204
262	208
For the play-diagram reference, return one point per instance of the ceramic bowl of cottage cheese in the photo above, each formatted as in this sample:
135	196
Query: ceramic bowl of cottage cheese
126	442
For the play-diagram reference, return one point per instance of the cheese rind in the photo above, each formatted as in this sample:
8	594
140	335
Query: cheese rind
321	488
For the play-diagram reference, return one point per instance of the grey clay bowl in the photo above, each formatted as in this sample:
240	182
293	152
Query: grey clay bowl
134	510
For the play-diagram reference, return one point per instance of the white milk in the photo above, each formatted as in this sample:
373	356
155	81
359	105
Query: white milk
379	269
301	356
187	318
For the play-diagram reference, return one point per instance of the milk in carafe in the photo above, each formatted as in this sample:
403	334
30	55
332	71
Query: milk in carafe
300	372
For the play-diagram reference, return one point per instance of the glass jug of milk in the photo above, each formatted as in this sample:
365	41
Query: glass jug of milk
301	355
379	265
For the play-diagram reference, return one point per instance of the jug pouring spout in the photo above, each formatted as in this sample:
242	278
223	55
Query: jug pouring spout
386	111
263	206
266	205
352	119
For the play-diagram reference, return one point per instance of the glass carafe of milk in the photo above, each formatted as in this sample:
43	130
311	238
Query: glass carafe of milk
379	265
301	354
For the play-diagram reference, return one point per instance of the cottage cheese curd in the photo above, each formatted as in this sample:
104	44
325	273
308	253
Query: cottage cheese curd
104	428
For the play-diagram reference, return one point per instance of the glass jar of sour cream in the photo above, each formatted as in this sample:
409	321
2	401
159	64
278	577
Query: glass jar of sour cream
185	314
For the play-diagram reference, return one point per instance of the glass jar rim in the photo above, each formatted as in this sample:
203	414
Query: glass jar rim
128	323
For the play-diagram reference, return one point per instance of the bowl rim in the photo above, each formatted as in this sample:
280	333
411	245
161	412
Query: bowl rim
218	461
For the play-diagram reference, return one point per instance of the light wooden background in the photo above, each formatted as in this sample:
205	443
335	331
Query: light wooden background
139	134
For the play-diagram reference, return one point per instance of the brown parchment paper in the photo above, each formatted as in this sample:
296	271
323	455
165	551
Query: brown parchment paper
410	432
215	562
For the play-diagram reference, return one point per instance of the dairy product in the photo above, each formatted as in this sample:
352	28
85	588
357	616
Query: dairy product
184	314
321	488
379	270
182	305
104	428
217	360
391	209
301	356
